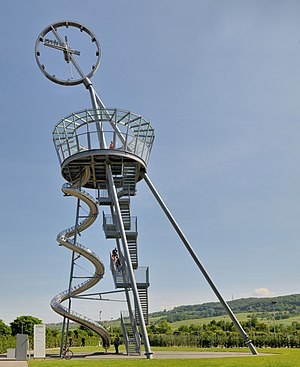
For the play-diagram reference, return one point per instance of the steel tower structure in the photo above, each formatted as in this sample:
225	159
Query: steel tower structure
105	149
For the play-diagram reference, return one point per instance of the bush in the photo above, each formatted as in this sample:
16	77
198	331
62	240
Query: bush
7	341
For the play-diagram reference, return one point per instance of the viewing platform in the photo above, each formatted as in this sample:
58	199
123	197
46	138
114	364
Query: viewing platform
96	137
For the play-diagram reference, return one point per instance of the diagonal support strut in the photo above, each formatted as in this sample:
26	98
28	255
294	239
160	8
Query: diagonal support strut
235	321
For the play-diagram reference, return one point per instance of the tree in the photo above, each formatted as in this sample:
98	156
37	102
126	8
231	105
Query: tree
4	329
88	331
163	327
24	324
152	329
183	329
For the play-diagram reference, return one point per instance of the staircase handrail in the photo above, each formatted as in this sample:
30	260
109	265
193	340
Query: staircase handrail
136	334
125	335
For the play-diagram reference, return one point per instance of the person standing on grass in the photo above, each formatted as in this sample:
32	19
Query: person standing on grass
117	342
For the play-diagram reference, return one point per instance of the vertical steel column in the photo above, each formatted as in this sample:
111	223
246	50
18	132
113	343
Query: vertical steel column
235	321
113	191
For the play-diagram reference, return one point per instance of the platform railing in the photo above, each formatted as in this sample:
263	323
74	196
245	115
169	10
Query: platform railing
110	227
142	276
122	130
121	278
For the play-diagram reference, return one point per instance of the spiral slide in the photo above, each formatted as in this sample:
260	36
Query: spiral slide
63	239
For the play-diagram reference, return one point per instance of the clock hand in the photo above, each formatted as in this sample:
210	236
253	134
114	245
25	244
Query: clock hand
66	53
67	57
62	48
57	36
80	72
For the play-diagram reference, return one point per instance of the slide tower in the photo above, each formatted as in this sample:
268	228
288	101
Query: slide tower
107	150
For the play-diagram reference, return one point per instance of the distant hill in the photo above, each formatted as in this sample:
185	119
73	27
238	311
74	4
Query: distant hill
284	307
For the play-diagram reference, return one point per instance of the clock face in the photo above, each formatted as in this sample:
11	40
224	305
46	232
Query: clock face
67	52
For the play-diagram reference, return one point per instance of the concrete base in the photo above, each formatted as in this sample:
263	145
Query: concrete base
11	353
22	347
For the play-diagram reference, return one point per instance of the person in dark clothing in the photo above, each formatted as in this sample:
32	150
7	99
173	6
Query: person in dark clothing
117	342
82	342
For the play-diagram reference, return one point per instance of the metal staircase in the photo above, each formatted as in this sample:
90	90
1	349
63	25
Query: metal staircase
120	274
143	295
131	336
130	223
125	212
129	180
133	345
132	245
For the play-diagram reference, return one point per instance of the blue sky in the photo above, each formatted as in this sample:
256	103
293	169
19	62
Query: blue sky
220	82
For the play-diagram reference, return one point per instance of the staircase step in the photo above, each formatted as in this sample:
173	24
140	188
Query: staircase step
132	246
143	295
129	178
133	348
125	212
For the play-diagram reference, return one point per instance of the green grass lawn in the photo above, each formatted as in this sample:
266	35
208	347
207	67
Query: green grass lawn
279	358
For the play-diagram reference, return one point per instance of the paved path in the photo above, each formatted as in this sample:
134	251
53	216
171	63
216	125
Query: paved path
159	355
10	363
178	355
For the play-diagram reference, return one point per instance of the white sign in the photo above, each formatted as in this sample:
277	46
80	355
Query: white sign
39	341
